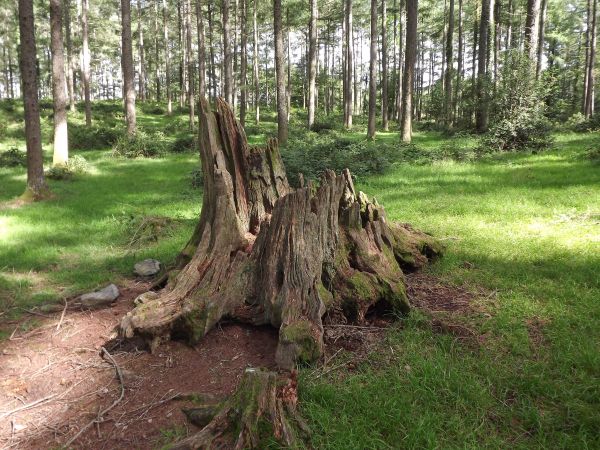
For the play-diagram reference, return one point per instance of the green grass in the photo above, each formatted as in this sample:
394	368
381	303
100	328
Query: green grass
527	223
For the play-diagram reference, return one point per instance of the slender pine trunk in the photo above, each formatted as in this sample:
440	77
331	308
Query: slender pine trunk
59	94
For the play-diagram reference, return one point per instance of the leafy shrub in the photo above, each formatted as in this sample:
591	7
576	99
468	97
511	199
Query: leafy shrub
104	107
8	105
196	179
13	157
593	153
575	122
140	145
523	131
583	125
76	165
82	137
184	144
313	154
152	108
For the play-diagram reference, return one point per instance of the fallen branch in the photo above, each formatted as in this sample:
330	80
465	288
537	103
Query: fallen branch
28	405
100	417
62	316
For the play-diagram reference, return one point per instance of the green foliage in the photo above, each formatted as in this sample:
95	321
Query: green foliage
183	144
583	125
152	108
76	165
196	179
518	120
141	145
13	157
82	137
313	154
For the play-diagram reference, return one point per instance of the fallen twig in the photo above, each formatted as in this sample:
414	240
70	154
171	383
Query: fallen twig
62	316
100	417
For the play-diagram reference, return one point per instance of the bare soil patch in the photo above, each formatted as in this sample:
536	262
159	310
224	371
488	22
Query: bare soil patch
63	371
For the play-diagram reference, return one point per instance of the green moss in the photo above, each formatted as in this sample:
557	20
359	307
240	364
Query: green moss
194	324
301	334
361	286
325	296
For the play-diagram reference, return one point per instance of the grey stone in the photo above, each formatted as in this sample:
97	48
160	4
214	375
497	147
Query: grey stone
100	298
147	267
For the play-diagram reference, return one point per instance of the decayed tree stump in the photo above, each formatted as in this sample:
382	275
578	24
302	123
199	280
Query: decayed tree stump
265	253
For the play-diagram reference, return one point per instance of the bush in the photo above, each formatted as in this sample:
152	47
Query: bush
76	165
140	145
582	125
13	157
196	179
520	132
184	144
82	137
152	108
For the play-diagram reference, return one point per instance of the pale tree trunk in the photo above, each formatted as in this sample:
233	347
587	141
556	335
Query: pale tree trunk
312	61
384	68
213	76
142	65
400	67
201	50
589	102
448	112
37	188
243	61
85	61
540	49
227	60
348	66
282	119
532	23
409	70
190	61
255	73
59	94
156	53
481	116
264	253
167	57
70	80
289	66
127	67
459	71
372	72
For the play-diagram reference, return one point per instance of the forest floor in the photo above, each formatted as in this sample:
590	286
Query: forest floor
510	359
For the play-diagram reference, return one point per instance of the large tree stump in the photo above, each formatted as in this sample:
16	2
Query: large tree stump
265	253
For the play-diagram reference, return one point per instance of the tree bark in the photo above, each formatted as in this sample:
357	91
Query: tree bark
243	61
312	61
213	76
282	118
85	61
532	23
167	58
127	67
481	117
409	70
190	62
372	72
384	68
255	62
156	53
348	65
448	110
142	62
59	94
540	48
459	71
70	71
589	102
37	188
227	60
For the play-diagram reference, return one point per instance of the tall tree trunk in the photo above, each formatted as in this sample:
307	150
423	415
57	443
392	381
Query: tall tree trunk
201	50
70	80
213	74
449	113
532	23
85	61
244	62
400	67
589	99
409	70
540	48
227	60
459	71
181	42
255	64
36	183
384	67
127	67
282	122
59	95
142	62
167	57
481	119
288	65
372	72
348	66
312	61
156	53
190	61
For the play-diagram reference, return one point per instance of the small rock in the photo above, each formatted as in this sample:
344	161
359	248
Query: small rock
100	298
147	267
145	297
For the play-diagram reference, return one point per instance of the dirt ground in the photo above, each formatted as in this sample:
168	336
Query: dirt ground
54	381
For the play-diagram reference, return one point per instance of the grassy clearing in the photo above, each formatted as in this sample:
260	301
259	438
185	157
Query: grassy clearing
528	224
